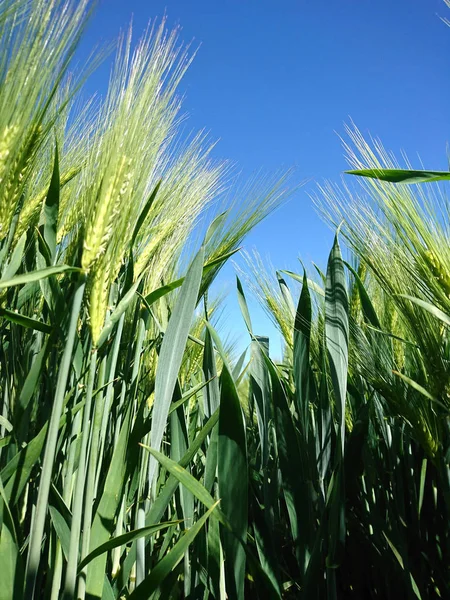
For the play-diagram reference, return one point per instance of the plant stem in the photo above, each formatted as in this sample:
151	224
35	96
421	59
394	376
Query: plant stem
90	487
72	561
38	525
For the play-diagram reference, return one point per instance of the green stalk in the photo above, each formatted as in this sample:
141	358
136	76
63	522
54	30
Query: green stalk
57	572
140	513
90	488
72	561
72	455
117	552
38	525
5	412
140	544
109	393
67	495
7	245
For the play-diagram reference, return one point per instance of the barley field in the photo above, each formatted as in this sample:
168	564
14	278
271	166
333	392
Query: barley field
139	456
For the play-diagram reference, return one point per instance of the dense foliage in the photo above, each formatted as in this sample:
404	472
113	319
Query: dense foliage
138	457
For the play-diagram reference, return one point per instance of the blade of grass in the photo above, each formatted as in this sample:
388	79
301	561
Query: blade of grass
169	562
38	525
171	355
401	175
37	275
233	484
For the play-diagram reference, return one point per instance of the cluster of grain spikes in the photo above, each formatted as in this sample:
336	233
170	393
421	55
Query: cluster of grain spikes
33	71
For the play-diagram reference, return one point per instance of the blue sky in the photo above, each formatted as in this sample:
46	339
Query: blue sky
275	81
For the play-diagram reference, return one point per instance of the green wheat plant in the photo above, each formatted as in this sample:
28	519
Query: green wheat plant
98	213
350	428
140	456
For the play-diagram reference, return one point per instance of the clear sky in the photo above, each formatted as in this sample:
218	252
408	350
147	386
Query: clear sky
275	81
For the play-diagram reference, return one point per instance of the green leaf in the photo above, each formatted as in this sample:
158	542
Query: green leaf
169	287
286	293
49	217
239	370
212	392
218	260
10	557
336	331
267	549
162	291
37	275
423	475
294	486
301	366
31	382
43	253
325	435
17	471
174	406
186	479
117	313
211	270
218	344
24	321
366	304
335	511
243	306
5	423
233	484
433	310
49	286
392	336
260	394
178	446
160	504
144	212
211	460
40	516
103	523
312	284
62	529
401	175
416	386
122	540
215	560
164	567
188	395
399	558
215	225
16	258
171	354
